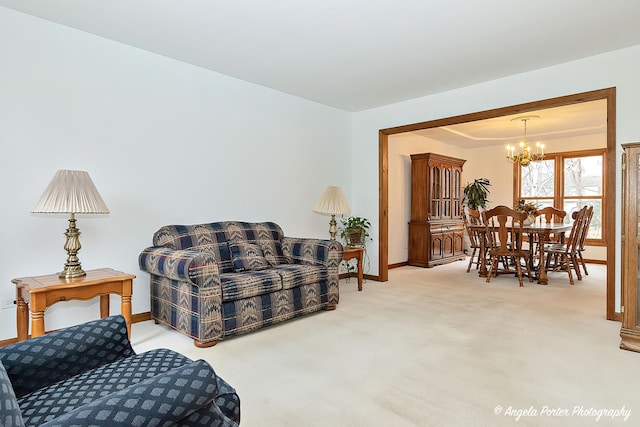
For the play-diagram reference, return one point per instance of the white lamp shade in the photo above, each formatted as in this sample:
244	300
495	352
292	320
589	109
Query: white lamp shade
71	191
332	202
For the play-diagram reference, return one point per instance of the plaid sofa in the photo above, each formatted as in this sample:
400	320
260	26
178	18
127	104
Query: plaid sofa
215	280
89	375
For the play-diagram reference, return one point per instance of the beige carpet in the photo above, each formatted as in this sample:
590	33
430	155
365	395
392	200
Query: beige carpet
433	347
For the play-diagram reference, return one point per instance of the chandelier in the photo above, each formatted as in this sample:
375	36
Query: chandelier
525	157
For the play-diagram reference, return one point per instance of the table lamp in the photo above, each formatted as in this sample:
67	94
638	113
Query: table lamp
332	202
71	192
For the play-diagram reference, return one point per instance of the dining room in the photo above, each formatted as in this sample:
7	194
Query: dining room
569	132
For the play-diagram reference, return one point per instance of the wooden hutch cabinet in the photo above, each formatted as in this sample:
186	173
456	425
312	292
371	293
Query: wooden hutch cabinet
630	329
436	230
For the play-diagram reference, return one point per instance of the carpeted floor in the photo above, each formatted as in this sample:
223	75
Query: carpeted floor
433	347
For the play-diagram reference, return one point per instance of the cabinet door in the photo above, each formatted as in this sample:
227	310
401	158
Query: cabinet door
437	246
458	243
630	330
447	244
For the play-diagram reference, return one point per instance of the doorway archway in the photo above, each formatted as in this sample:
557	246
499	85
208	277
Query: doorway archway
608	94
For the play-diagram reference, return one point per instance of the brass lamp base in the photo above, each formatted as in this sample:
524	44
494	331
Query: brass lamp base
73	267
333	227
71	272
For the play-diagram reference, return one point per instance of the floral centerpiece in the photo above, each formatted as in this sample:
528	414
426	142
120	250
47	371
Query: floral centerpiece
530	208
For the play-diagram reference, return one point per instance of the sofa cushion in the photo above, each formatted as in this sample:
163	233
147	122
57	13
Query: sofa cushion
9	409
163	400
237	231
294	275
267	235
47	403
198	236
248	284
222	255
272	250
247	257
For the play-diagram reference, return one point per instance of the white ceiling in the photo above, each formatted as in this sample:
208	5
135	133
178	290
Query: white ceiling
357	54
361	54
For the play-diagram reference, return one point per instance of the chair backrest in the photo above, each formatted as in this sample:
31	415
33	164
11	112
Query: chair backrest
503	227
572	242
551	214
472	216
586	222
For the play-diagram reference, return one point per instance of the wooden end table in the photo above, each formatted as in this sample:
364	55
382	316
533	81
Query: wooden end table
44	291
358	253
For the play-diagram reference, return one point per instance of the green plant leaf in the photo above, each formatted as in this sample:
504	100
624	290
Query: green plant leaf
475	193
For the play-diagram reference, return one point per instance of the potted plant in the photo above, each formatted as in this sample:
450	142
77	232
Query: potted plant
474	197
529	208
354	230
475	193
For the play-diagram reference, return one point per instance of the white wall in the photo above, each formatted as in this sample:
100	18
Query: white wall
500	174
614	69
165	142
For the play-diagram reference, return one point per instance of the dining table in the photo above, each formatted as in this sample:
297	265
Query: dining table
536	232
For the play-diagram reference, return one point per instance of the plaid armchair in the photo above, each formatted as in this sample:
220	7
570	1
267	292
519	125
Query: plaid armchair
89	375
211	281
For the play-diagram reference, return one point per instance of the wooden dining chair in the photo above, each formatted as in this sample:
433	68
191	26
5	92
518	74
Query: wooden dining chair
503	230
473	217
567	253
549	215
583	236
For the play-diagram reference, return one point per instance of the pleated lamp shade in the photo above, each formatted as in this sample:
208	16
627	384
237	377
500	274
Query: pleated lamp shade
71	191
332	202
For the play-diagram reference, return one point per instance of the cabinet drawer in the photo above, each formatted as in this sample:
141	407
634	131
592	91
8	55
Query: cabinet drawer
446	228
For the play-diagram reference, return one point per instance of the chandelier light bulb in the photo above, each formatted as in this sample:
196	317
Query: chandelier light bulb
526	156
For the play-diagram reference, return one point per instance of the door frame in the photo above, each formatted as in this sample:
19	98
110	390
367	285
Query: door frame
608	94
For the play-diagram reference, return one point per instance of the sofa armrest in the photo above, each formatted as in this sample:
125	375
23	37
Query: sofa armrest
312	251
10	414
162	400
47	359
198	267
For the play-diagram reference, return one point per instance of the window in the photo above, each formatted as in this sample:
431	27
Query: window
568	180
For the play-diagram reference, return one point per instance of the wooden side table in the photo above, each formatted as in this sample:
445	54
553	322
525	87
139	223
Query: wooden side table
358	253
44	291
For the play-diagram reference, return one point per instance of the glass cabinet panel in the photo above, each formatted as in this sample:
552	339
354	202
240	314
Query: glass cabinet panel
446	192
457	202
436	192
